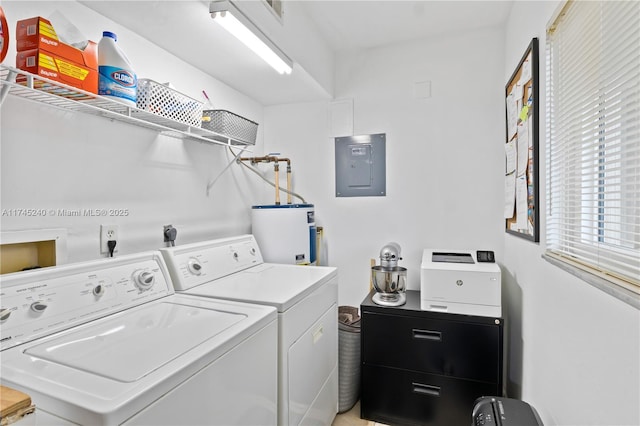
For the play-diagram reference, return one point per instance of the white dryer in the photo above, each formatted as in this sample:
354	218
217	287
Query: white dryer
108	342
306	298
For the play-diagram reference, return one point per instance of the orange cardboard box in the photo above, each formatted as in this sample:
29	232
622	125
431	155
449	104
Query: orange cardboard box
38	33
54	67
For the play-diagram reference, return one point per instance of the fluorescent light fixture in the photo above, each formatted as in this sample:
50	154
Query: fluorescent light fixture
233	20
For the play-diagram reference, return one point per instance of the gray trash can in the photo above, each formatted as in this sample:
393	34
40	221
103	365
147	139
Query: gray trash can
348	357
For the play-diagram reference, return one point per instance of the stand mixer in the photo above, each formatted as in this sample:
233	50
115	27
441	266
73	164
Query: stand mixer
388	278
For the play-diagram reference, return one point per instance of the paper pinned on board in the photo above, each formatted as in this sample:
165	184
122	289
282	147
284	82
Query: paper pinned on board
510	157
512	114
518	93
524	114
509	195
521	202
523	147
526	70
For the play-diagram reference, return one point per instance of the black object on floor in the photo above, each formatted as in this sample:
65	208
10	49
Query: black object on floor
496	411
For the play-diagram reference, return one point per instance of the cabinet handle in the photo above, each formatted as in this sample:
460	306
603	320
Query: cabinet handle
426	389
427	334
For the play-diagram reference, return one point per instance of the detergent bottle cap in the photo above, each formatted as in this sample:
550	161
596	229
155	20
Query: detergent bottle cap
110	34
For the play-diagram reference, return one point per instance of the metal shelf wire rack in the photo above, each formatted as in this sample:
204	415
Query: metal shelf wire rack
42	90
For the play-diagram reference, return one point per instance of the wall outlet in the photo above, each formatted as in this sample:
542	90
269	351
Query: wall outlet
107	233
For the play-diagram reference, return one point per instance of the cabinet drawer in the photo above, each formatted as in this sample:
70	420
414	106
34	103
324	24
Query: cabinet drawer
451	348
397	397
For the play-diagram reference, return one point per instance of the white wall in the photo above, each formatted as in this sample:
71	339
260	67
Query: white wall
53	159
574	350
444	155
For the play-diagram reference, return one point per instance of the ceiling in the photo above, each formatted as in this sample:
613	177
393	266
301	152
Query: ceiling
360	24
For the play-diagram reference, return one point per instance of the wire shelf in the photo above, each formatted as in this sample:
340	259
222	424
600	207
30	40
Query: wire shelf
42	90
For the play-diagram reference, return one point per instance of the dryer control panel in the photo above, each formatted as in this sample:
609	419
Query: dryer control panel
193	264
44	301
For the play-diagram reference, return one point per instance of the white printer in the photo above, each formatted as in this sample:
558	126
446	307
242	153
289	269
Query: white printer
460	282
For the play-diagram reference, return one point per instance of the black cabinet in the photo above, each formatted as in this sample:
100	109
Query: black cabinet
427	368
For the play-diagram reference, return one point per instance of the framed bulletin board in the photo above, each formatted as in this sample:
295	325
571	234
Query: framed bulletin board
521	184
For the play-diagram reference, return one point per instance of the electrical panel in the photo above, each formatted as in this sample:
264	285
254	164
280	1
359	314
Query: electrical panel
360	166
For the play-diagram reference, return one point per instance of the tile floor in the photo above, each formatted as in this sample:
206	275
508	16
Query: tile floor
352	418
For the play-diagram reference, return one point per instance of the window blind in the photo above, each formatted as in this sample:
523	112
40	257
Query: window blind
593	139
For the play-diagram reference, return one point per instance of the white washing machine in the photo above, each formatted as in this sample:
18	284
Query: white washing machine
306	299
108	342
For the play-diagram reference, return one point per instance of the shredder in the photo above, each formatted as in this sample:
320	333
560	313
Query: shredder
498	411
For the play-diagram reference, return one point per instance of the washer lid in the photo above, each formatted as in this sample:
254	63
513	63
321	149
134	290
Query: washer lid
272	284
128	346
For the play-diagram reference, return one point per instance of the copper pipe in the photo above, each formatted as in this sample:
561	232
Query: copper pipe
276	169
288	183
266	159
276	160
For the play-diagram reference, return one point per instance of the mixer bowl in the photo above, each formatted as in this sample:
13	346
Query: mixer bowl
389	280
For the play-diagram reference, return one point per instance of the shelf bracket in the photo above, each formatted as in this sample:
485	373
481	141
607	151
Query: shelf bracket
213	181
11	77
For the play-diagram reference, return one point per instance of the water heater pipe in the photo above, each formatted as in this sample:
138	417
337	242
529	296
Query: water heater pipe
288	183
276	169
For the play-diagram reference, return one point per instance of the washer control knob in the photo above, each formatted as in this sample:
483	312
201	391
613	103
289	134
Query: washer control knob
194	266
38	306
4	314
252	251
144	280
235	255
98	290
